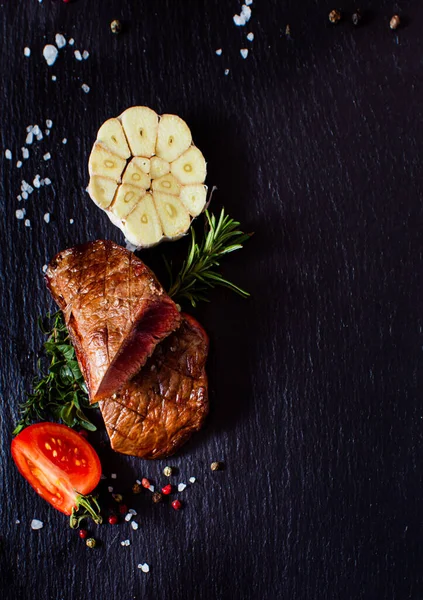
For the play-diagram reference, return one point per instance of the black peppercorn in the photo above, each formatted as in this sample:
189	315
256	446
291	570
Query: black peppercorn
136	488
157	497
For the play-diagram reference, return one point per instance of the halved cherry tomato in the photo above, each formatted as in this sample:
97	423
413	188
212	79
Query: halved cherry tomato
57	462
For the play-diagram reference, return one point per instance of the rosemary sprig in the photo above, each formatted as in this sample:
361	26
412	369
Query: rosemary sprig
61	392
199	271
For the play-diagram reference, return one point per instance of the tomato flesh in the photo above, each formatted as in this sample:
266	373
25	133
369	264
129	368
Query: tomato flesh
57	462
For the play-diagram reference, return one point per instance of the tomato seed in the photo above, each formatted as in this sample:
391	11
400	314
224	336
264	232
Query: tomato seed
47	445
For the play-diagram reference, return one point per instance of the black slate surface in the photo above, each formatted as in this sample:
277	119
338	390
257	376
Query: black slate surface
314	142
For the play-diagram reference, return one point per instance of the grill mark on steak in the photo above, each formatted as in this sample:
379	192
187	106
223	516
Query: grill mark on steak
115	310
159	409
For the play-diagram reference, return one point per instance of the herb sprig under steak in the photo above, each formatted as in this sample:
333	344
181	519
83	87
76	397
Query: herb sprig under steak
200	270
61	392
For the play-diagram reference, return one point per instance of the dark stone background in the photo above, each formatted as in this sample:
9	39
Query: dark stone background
314	143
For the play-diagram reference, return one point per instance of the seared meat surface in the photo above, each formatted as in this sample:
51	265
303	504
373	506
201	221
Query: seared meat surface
115	310
158	410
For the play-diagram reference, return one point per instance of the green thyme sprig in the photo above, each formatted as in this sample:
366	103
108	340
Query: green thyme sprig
200	270
61	392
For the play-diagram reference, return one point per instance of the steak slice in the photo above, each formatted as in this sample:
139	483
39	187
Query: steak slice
115	310
159	409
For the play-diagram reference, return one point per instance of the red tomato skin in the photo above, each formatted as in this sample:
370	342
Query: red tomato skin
46	455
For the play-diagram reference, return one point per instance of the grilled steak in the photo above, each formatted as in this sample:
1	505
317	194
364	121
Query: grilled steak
115	310
158	410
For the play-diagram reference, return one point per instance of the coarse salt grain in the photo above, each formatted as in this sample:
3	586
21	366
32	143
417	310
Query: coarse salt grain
49	123
29	138
36	524
134	525
39	136
85	88
25	195
248	2
17	522
219	52
138	481
244	52
20	213
125	543
226	71
45	267
8	154
250	36
53	78
47	156
47	131
181	487
110	489
19	164
47	217
77	55
192	479
151	488
144	568
25	153
36	182
113	476
27	51
71	221
64	141
47	181
128	517
27	223
85	54
60	40
19	197
71	42
243	18
50	53
36	130
132	511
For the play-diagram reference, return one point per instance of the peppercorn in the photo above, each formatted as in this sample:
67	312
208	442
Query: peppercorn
334	16
116	26
91	543
113	519
83	534
167	489
145	483
136	488
394	23
123	509
176	505
167	471
357	17
157	497
117	497
216	466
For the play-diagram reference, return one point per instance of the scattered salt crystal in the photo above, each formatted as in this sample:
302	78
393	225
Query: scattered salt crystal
47	156
153	368
27	223
134	525
60	40
64	141
47	217
132	511
85	88
27	51
25	152
19	164
20	213
219	52
138	481
125	543
36	182
144	568
39	136
47	181
8	154
36	130
250	36
85	54
45	267
244	52
181	487
248	2
29	128
78	55
49	123
50	53
35	523
226	71
71	42
243	18
113	476
71	221
19	197
17	522
29	138
192	480
110	489
151	488
25	195
53	78
128	517
47	131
